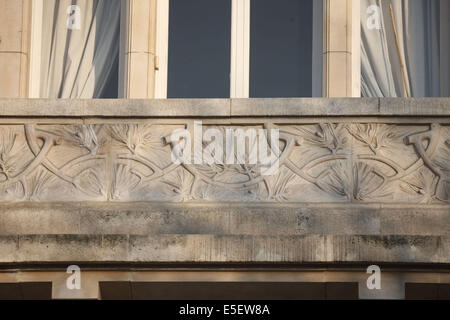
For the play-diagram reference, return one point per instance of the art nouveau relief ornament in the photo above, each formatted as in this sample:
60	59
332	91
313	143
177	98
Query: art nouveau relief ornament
322	162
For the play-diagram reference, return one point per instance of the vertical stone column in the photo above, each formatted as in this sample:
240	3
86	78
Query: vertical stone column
341	48
15	20
138	47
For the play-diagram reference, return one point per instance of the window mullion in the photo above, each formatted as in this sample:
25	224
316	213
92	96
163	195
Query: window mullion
240	49
162	48
35	49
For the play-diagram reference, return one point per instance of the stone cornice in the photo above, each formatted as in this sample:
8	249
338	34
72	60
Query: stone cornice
286	107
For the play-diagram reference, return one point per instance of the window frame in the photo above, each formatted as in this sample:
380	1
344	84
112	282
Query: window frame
356	49
37	7
240	49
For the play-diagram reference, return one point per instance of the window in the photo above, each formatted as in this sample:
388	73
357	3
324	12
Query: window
199	49
26	291
404	48
75	49
229	290
427	291
281	48
239	48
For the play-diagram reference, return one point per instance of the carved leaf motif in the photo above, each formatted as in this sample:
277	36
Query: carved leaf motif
421	184
83	136
124	181
327	135
38	182
9	160
91	183
335	180
278	186
134	136
367	184
442	160
181	185
375	136
13	192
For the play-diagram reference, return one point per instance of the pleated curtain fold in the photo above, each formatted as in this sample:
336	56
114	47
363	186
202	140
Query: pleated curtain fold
79	62
417	23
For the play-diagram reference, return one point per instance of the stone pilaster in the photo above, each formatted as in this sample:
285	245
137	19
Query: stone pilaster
341	48
139	42
15	19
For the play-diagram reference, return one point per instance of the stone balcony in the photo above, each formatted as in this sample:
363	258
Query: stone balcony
92	181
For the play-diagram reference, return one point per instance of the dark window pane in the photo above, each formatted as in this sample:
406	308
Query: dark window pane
281	48
107	84
228	290
421	291
427	291
444	291
36	290
111	87
199	49
342	291
26	291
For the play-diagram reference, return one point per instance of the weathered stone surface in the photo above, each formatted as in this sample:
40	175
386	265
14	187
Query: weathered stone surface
415	220
43	218
9	246
95	185
130	161
66	248
199	248
445	250
222	219
415	107
224	233
115	108
237	219
304	107
407	249
274	107
213	248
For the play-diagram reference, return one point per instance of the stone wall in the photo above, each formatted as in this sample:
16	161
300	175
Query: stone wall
359	180
15	20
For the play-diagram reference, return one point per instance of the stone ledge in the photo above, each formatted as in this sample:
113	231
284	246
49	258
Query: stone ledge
115	108
229	249
416	106
275	107
223	219
294	107
198	233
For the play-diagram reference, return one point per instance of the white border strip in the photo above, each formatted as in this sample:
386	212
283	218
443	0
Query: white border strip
37	9
162	48
240	49
356	48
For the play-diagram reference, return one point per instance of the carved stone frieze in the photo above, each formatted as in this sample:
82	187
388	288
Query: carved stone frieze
321	162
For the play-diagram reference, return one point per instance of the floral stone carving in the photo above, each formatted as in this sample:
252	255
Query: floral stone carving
323	162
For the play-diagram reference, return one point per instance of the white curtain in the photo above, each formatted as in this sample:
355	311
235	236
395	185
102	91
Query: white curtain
417	23
79	63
